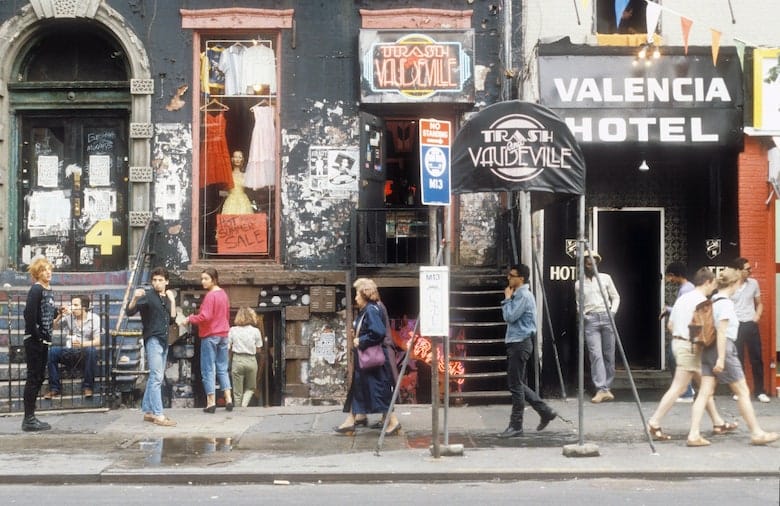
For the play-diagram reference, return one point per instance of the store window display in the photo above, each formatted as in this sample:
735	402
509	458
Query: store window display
238	144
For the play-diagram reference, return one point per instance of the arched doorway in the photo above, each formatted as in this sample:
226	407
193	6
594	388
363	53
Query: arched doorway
71	103
78	115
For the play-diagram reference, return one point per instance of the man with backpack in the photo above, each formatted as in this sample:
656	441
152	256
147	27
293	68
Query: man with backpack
686	353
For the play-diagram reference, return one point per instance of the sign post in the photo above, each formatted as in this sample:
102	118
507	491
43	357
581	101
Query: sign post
435	144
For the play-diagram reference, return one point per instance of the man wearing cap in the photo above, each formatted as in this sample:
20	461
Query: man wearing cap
599	336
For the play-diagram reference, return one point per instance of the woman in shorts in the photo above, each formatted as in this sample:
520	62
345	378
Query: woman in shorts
719	361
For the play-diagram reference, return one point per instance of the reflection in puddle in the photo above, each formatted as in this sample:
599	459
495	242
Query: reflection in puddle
181	450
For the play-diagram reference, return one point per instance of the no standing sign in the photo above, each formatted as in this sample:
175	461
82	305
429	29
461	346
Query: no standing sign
435	143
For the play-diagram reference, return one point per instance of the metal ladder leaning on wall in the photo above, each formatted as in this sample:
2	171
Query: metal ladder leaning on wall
128	359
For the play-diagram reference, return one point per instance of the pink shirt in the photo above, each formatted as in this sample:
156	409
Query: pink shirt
213	319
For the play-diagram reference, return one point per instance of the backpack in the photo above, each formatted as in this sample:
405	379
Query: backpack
702	327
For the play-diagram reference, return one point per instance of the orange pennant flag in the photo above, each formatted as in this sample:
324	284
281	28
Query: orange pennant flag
686	31
715	45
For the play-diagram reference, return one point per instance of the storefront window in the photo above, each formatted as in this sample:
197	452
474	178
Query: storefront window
238	151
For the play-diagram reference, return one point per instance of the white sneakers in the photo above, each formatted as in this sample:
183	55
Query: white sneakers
760	397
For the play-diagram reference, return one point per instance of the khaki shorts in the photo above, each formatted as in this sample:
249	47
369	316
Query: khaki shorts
687	356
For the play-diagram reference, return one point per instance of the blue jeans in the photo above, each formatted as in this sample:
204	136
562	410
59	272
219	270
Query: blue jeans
214	352
85	358
156	353
600	341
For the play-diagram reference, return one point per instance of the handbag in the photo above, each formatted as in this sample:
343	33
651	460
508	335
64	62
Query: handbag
371	357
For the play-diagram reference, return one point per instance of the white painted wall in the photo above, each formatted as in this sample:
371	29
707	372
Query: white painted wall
757	21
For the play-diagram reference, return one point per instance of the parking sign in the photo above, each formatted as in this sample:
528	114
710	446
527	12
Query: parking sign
435	142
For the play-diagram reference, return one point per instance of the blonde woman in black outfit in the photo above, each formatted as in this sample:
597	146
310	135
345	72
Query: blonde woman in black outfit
39	313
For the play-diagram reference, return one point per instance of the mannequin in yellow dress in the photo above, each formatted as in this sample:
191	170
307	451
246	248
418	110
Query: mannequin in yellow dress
237	201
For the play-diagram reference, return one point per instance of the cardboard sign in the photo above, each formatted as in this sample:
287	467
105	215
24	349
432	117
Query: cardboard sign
242	233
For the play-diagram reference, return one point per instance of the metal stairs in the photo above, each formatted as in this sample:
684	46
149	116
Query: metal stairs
477	339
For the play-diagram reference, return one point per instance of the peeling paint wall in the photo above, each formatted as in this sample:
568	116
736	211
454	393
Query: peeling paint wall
478	212
318	194
171	162
326	371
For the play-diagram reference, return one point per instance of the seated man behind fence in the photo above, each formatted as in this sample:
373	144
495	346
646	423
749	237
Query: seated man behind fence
79	329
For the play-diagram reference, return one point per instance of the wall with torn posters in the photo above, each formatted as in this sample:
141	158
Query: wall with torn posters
320	168
172	202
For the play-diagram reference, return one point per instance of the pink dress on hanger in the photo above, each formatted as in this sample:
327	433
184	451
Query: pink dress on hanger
261	166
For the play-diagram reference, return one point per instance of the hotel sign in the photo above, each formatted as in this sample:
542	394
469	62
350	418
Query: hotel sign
404	67
679	100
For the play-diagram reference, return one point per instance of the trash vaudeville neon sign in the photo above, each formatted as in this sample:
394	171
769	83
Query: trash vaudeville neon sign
517	146
397	66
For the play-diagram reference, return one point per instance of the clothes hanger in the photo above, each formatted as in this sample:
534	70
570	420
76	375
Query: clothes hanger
217	106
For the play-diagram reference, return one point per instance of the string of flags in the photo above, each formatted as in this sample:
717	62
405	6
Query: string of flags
653	15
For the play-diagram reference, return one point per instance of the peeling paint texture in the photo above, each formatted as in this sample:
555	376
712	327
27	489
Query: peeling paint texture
172	161
326	380
316	229
478	212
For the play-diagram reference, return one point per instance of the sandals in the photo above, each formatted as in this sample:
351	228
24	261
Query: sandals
764	439
657	434
697	442
725	428
149	417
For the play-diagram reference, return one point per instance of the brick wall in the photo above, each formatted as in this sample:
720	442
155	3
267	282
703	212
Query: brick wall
757	243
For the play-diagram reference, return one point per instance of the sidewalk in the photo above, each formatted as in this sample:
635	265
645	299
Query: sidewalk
297	444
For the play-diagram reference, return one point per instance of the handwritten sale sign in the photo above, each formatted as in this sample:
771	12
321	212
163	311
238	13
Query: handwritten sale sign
242	233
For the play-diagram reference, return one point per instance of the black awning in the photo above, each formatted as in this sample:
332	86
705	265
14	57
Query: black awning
518	146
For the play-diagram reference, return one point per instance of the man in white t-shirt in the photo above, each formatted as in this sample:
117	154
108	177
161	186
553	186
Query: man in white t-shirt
748	306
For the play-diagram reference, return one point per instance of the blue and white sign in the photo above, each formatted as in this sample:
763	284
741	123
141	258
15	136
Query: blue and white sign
435	143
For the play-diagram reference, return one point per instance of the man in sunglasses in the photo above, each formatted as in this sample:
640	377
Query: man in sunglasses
519	311
748	306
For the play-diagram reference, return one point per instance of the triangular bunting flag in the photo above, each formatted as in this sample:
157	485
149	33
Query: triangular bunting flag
620	6
652	14
715	45
686	31
740	52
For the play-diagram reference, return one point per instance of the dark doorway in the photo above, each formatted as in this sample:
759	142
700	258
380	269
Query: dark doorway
630	241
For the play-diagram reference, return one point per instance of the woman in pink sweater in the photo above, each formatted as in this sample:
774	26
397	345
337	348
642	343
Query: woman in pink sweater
213	321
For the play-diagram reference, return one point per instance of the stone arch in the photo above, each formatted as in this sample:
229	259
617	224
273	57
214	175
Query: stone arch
15	34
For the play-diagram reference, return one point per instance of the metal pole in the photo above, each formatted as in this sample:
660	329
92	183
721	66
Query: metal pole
581	318
435	398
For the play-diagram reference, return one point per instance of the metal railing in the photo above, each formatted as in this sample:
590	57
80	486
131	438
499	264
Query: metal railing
388	236
13	368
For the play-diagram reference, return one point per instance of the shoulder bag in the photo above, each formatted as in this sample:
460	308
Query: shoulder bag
370	357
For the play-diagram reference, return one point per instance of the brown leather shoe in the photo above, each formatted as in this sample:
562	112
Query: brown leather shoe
88	393
51	394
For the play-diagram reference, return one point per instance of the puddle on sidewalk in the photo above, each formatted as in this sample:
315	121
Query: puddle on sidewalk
174	451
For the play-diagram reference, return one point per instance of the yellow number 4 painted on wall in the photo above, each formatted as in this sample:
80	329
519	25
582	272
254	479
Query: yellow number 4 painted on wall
102	234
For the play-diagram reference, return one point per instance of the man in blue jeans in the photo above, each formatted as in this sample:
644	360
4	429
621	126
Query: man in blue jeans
158	310
80	330
519	311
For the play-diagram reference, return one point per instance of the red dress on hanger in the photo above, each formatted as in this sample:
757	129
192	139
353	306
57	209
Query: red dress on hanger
214	154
